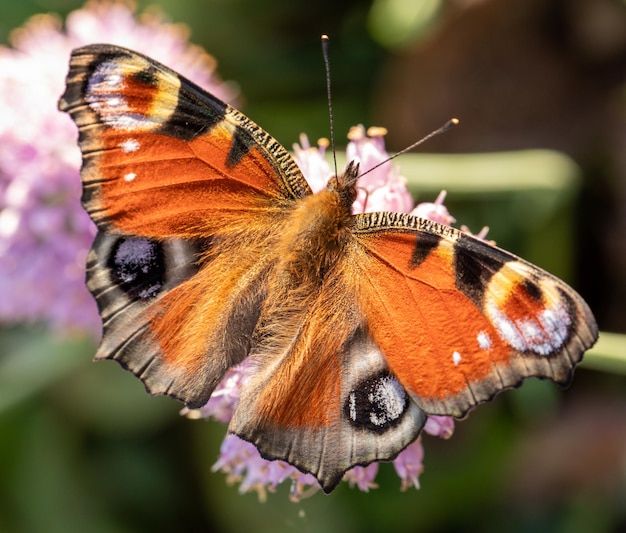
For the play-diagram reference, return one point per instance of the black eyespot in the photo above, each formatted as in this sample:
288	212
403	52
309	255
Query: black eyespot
137	266
377	403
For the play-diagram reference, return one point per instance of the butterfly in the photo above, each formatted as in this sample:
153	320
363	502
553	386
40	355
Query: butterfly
212	248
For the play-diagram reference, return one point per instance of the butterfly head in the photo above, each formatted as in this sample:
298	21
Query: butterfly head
344	185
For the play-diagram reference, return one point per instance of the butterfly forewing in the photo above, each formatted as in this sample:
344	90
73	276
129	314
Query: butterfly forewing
460	320
162	157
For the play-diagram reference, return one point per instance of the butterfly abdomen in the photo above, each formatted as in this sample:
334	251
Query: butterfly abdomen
308	310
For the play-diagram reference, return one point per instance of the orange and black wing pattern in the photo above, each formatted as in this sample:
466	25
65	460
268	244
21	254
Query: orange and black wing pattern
211	248
186	192
458	319
162	157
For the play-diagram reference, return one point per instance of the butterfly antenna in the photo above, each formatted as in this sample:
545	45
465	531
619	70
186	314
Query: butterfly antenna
325	41
442	129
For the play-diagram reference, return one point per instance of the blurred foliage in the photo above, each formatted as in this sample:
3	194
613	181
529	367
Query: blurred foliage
398	23
84	448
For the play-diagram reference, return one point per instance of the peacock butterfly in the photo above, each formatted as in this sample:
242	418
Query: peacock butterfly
212	248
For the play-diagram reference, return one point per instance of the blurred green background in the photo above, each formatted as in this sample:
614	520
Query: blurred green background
539	82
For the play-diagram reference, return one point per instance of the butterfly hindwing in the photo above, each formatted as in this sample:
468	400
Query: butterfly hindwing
155	298
369	417
458	319
127	276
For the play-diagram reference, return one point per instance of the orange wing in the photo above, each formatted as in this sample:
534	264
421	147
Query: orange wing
162	157
459	320
187	194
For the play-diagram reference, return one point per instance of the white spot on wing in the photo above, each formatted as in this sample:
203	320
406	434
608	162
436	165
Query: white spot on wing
456	358
113	80
484	341
114	101
130	176
130	145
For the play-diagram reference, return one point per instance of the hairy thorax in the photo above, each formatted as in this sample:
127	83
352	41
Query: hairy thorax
315	234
